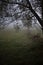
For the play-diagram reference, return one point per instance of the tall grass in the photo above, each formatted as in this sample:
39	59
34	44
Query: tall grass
20	48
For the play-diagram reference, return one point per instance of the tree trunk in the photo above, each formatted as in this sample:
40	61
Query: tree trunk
35	14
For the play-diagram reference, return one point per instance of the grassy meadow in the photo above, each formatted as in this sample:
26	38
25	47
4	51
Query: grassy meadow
20	48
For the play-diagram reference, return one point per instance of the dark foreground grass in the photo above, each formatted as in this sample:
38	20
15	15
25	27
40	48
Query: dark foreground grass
18	52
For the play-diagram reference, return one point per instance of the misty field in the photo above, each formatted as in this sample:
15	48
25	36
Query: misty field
20	48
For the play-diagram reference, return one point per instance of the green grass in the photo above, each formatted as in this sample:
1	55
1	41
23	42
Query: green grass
18	48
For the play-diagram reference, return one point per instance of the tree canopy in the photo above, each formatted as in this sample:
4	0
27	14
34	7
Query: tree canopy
24	10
